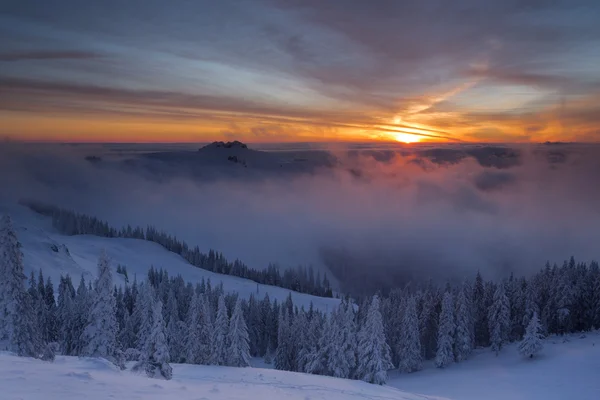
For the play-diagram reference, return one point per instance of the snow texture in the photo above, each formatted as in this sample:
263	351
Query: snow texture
72	378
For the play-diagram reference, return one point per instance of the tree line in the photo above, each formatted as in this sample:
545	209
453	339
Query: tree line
165	319
300	279
446	324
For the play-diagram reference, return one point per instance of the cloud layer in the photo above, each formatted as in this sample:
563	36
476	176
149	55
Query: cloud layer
376	218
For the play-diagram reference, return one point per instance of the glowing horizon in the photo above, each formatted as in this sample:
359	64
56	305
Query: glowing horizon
299	72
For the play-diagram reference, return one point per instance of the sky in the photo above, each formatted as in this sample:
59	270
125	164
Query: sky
300	70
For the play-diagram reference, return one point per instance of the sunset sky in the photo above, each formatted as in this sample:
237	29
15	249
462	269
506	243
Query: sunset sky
300	70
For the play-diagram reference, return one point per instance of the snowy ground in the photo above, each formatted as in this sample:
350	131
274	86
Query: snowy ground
568	370
70	378
43	248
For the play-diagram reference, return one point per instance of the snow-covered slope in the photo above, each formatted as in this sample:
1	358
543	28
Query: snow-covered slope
58	254
567	368
70	378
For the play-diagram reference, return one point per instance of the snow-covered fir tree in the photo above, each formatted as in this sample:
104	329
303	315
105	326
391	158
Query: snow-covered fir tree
100	334
446	332
373	352
499	319
141	321
410	344
532	343
340	363
65	315
18	317
308	361
221	328
283	360
480	313
238	354
196	353
26	339
11	276
154	359
463	339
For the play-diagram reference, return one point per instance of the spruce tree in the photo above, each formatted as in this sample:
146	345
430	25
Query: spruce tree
26	340
238	354
18	319
101	331
532	342
446	332
373	352
284	342
410	344
480	313
66	316
499	319
12	277
154	359
221	328
463	340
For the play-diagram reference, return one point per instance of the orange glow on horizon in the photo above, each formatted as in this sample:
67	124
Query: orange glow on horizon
407	138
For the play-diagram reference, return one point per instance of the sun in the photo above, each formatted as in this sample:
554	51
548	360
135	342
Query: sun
406	137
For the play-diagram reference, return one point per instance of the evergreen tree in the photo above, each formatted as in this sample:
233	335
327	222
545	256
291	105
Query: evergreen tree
446	332
11	277
499	319
480	313
339	363
532	342
463	340
221	328
373	352
284	342
410	345
26	340
175	337
101	331
155	358
50	333
238	354
66	316
141	320
428	323
82	304
307	356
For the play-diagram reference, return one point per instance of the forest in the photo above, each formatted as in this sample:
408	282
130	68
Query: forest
164	319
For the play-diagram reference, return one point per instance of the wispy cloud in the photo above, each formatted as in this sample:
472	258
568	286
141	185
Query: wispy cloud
48	55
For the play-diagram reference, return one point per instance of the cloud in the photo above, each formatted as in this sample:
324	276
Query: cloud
373	217
48	55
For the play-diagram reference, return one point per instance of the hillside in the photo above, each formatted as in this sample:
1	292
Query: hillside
57	254
70	378
567	368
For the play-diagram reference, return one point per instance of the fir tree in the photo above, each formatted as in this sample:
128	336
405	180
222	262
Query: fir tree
446	332
11	277
238	354
532	342
480	313
499	319
221	328
101	330
373	352
284	342
26	340
154	358
410	345
463	340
